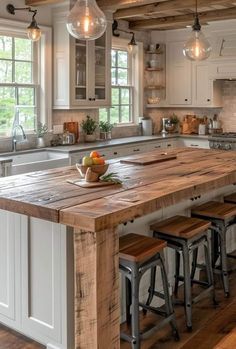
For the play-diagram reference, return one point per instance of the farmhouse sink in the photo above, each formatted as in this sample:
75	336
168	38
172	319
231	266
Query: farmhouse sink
36	161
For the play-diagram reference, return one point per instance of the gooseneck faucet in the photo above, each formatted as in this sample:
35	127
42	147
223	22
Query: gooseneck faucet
14	140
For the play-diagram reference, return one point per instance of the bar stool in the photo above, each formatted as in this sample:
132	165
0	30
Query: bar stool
137	254
222	216
184	235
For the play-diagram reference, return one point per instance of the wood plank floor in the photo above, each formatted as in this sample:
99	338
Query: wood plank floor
210	325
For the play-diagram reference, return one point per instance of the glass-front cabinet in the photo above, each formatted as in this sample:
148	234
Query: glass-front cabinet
81	68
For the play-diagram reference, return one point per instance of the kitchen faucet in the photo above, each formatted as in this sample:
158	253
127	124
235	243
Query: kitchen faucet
14	140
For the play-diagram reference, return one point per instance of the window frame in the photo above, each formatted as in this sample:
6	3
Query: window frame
135	79
42	74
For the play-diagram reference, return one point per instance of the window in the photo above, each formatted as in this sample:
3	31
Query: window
121	111
25	77
17	83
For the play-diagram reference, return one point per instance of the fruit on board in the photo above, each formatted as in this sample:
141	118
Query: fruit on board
95	154
87	161
98	161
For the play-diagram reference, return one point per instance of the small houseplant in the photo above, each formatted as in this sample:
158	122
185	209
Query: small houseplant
89	127
105	129
41	131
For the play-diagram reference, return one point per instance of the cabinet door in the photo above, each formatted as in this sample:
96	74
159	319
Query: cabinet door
179	76
9	267
43	271
196	143
203	86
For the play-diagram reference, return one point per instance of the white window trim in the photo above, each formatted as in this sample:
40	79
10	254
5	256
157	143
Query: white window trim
137	76
45	58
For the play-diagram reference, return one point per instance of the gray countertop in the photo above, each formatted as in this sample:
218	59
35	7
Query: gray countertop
69	149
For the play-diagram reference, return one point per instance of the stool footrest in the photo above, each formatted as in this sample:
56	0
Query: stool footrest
202	294
153	329
231	255
153	309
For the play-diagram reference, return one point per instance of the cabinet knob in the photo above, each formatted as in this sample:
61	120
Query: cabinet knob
92	99
208	100
115	153
186	99
136	150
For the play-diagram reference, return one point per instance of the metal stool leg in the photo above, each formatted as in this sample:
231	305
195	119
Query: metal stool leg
209	270
135	307
128	299
194	263
177	267
168	303
151	288
187	287
223	255
214	247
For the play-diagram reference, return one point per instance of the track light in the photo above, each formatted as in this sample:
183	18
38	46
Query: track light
132	45
33	31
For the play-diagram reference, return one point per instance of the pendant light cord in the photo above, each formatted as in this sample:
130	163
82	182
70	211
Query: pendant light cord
196	25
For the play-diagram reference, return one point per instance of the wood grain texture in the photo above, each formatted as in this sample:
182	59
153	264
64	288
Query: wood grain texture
181	226
47	195
144	160
229	342
138	248
96	289
215	209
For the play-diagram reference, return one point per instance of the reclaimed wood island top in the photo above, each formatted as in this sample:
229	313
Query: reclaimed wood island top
95	213
48	195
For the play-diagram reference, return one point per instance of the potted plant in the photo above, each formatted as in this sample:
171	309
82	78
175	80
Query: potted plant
105	129
172	123
42	129
89	127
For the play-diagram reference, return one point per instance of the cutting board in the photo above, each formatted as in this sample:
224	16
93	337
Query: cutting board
82	183
144	160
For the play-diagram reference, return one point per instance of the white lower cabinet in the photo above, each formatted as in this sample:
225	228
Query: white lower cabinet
34	270
195	143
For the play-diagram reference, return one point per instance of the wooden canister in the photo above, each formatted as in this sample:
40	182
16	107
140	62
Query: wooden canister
72	127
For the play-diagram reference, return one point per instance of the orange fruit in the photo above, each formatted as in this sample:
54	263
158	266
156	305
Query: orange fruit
98	161
94	154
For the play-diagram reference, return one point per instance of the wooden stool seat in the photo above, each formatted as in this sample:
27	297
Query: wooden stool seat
215	209
137	248
230	198
181	226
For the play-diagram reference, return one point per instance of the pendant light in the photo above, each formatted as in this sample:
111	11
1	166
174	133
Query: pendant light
86	21
132	45
197	48
33	31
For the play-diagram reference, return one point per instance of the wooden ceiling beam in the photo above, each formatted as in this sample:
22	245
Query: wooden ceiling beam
183	20
41	2
120	4
163	7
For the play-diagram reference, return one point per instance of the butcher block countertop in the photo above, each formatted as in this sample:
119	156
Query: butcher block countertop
145	189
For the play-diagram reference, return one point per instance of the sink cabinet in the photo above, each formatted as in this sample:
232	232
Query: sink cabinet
81	68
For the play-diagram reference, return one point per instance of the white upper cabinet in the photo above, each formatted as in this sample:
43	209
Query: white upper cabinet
81	68
179	75
206	91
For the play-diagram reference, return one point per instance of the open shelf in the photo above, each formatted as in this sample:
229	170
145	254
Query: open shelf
154	87
155	52
153	69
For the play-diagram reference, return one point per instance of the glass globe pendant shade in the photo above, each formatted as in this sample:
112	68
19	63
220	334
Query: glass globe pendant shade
86	21
197	48
33	31
132	45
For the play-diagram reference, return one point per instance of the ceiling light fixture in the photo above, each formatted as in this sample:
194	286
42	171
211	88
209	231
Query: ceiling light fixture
33	31
86	21
197	48
132	45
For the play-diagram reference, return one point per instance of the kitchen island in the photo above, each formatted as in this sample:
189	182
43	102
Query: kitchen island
44	202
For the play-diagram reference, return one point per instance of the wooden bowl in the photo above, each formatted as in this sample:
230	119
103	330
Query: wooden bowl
98	169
